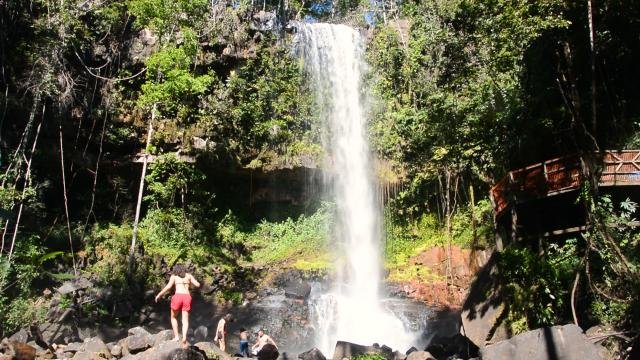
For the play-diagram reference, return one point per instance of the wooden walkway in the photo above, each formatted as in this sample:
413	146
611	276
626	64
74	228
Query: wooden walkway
561	175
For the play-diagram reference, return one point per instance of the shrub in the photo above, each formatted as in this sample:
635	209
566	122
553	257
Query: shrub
300	241
533	288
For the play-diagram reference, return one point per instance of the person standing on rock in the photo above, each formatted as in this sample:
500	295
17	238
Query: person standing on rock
221	332
181	300
244	342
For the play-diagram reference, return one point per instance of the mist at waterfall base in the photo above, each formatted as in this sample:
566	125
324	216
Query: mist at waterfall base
352	309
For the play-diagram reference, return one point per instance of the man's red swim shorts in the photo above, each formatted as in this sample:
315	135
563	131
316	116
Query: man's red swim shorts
181	302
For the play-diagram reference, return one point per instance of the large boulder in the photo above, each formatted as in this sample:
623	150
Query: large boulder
297	289
160	351
420	355
95	346
313	354
457	346
566	342
345	349
162	336
74	285
212	351
484	309
22	336
58	333
268	352
138	340
190	353
201	333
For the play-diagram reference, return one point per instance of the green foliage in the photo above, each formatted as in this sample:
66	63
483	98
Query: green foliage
172	182
20	311
369	357
270	109
449	88
171	83
533	288
18	303
614	260
404	239
108	247
234	296
300	241
172	235
163	15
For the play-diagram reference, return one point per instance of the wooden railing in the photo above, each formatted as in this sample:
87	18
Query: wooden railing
560	175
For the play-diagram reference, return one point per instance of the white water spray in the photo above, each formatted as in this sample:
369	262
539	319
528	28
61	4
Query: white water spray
333	56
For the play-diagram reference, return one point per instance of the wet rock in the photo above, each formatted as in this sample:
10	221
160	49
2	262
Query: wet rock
201	333
420	355
411	349
297	289
566	342
345	349
313	354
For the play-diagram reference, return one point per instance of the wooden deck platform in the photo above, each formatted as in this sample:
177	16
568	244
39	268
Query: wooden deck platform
560	175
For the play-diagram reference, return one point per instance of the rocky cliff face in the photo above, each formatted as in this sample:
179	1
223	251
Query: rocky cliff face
450	271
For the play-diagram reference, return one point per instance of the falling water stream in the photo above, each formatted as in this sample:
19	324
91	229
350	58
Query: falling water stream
352	310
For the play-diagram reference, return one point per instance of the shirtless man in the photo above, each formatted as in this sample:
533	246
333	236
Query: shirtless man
221	332
244	342
181	300
263	339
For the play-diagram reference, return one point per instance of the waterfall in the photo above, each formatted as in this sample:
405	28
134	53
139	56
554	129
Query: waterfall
352	310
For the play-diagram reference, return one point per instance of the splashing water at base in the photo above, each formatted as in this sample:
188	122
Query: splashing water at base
352	311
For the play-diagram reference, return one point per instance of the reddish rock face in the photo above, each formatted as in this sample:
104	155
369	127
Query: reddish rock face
453	269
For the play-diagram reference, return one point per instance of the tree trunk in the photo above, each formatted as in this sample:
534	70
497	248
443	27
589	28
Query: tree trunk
134	238
66	203
592	36
26	185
